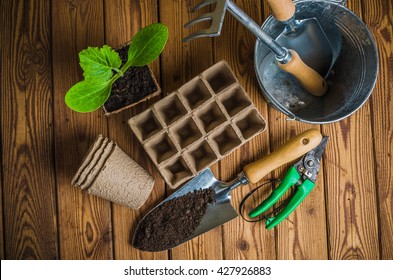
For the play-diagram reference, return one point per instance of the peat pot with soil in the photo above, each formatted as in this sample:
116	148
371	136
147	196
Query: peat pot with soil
118	79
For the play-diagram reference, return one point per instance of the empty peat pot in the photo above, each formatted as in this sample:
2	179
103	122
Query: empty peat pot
108	172
352	77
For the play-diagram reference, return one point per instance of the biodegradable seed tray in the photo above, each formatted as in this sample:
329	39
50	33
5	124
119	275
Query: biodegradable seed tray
198	124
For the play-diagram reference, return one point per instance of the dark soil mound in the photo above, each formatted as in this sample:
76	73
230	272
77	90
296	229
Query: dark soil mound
135	85
172	222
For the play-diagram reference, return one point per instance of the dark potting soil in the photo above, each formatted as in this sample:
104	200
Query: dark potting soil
172	222
135	85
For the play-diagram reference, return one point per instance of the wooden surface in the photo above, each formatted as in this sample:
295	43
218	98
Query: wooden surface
347	216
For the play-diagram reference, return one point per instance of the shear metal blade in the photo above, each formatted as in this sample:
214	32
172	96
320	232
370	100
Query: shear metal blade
318	150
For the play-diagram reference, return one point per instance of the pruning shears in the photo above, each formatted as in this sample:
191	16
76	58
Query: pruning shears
302	175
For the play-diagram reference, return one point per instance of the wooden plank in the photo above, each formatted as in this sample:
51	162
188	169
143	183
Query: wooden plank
122	20
242	240
84	220
378	18
180	62
303	234
27	131
2	253
350	184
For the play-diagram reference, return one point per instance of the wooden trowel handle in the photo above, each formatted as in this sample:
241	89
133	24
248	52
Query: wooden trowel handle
282	10
291	150
307	77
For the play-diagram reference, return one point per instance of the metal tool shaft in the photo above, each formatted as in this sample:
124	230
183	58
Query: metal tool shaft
282	54
223	192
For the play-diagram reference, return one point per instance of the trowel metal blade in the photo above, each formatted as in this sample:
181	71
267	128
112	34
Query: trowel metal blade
311	43
203	180
217	213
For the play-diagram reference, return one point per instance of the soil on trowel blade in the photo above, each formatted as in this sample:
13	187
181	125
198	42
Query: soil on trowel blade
136	84
172	222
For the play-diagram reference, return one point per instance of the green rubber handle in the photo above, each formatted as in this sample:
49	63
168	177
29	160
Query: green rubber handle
302	191
289	180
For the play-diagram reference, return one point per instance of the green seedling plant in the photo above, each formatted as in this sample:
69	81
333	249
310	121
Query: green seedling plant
101	67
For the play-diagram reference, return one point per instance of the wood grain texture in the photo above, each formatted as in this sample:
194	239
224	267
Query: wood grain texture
303	234
2	253
242	240
350	183
380	22
181	62
84	220
122	20
348	215
27	138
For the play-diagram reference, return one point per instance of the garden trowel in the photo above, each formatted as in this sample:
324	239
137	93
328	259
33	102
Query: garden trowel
305	36
221	210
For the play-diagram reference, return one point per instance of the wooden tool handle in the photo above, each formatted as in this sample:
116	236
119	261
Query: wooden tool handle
307	77
291	150
282	10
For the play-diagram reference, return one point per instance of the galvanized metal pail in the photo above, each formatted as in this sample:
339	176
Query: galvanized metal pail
351	80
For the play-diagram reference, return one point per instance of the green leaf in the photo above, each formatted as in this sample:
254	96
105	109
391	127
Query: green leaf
98	63
86	97
147	44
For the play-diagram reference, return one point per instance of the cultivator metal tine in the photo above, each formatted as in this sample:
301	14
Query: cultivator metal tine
199	34
216	17
196	20
202	4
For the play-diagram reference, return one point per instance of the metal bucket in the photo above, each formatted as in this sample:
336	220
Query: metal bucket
351	80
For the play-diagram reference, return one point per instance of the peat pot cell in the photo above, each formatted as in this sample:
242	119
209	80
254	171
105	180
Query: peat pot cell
219	76
210	116
234	100
176	172
250	123
201	156
195	93
225	140
145	125
170	109
160	148
185	132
